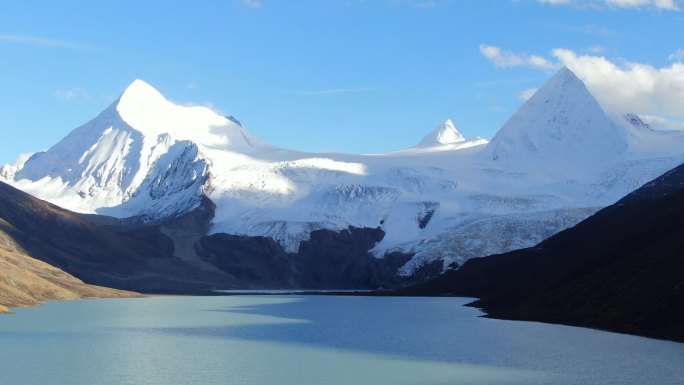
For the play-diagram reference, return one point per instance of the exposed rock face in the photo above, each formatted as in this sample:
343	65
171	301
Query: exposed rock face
255	262
328	260
177	257
622	269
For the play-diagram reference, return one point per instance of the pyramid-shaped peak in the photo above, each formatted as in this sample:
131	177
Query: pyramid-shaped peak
140	86
564	79
565	71
562	122
446	133
140	93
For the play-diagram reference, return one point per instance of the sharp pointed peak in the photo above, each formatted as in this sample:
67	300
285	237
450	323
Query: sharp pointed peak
565	71
448	124
445	133
139	90
564	77
561	122
139	83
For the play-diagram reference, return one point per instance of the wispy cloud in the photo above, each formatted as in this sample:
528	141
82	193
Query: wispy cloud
668	5
678	55
253	4
505	59
665	5
585	29
46	42
424	4
595	49
502	82
72	94
555	2
333	91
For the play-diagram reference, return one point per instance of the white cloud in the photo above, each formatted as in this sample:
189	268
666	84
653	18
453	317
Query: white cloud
629	86
662	123
620	86
678	55
72	94
667	5
505	59
527	94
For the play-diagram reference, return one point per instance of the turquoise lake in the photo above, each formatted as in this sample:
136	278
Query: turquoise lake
298	340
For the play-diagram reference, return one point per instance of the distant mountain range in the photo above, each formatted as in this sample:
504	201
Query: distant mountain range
560	158
174	199
621	269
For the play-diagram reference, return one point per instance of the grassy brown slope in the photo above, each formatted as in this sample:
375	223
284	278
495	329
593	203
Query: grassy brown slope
26	281
93	254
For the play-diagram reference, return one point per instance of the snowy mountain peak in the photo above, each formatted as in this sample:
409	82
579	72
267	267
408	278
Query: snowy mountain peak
446	133
147	111
139	98
143	155
561	124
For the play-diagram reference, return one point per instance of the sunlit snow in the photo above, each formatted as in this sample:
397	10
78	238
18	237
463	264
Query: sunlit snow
556	161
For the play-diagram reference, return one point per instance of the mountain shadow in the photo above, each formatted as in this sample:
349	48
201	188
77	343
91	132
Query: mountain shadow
621	269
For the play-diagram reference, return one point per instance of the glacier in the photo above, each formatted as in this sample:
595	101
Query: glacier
558	159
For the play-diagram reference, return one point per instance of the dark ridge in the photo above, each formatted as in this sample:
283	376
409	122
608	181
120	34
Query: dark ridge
622	270
94	254
327	260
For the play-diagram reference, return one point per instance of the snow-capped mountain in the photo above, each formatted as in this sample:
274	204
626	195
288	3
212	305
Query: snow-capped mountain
141	143
446	133
556	161
562	121
445	137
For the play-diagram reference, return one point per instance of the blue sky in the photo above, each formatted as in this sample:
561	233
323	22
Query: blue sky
334	75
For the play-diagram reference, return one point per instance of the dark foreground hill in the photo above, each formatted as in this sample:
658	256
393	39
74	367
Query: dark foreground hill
26	281
621	269
33	231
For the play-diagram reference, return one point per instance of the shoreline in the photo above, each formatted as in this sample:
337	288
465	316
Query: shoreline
8	309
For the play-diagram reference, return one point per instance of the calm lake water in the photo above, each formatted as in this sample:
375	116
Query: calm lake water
313	340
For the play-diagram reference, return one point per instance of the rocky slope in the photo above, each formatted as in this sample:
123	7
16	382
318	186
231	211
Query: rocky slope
622	269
